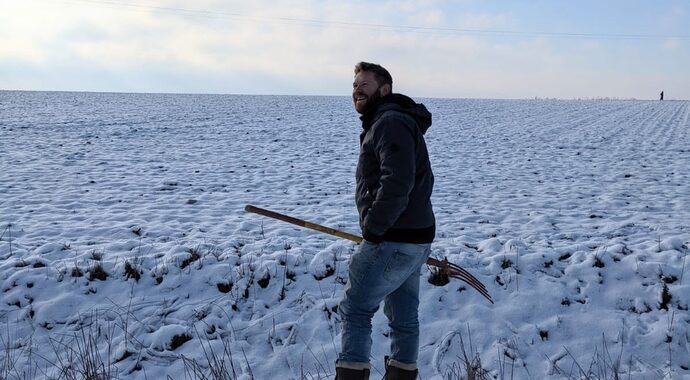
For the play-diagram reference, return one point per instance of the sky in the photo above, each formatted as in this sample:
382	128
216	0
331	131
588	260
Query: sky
433	48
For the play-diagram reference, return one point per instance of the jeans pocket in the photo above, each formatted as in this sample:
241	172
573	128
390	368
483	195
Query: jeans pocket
404	261
363	260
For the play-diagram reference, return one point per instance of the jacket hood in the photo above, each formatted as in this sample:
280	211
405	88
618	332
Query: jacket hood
401	103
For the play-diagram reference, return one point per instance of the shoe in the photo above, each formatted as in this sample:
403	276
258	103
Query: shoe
396	373
351	374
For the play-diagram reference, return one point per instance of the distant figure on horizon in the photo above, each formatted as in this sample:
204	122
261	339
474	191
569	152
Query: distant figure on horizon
662	96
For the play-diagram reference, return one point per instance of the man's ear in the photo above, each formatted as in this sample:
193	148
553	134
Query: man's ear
385	89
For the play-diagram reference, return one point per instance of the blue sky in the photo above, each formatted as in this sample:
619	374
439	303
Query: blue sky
463	48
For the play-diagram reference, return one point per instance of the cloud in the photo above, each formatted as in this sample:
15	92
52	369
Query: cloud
672	17
282	48
674	44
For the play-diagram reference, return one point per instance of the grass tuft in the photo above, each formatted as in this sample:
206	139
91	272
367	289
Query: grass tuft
264	281
193	256
131	271
666	297
77	272
179	340
224	287
469	366
96	272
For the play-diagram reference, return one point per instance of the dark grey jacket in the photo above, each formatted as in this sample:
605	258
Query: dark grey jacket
394	177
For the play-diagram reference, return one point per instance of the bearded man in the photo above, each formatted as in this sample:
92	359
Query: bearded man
394	185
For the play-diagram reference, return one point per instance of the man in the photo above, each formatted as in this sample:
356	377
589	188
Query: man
394	184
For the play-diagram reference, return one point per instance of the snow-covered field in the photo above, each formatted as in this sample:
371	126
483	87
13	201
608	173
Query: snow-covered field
122	223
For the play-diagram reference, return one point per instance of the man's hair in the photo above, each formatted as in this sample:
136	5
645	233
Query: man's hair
381	75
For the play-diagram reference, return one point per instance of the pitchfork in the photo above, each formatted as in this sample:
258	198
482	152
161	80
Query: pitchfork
446	267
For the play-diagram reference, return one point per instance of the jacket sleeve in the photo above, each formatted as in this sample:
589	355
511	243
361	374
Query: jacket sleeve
394	145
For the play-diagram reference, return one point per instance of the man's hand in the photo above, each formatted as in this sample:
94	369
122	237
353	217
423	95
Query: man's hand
370	237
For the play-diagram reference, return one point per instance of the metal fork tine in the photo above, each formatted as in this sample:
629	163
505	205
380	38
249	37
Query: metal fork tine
469	276
460	273
469	281
483	292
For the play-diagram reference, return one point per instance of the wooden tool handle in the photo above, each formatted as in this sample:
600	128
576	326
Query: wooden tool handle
303	223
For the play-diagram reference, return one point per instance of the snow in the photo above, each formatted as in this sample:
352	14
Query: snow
122	222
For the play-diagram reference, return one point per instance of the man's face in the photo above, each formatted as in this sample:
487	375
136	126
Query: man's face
365	91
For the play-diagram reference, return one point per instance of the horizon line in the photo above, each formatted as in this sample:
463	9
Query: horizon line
329	95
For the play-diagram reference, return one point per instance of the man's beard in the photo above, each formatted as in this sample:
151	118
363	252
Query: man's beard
372	102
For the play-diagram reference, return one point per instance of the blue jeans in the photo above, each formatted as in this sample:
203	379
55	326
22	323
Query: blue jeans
386	272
